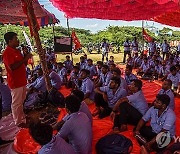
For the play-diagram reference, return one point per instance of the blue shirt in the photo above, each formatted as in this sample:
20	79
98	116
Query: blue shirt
74	78
55	80
164	70
68	64
134	46
39	84
174	78
165	121
130	78
105	78
165	47
138	101
126	46
62	74
92	69
152	47
88	87
113	97
171	96
82	65
5	95
77	128
145	66
57	146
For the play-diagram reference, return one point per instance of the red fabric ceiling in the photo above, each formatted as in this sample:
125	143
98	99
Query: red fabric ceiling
169	18
11	12
116	9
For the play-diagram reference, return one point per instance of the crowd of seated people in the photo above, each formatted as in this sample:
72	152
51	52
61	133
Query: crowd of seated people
116	96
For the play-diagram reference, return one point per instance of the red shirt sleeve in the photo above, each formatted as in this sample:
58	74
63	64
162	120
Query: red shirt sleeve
8	58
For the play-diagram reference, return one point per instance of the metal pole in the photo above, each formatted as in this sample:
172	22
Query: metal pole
142	36
69	35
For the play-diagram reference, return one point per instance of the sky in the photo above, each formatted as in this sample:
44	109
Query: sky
95	25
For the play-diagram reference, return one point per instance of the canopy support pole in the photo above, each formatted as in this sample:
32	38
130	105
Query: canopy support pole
41	52
69	35
142	36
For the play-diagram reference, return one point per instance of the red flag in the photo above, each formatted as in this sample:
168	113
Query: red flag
75	40
146	36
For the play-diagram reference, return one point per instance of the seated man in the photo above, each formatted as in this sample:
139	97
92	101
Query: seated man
43	135
105	77
5	96
82	63
74	76
166	89
99	67
174	76
129	76
54	77
83	108
39	84
164	71
62	72
116	72
107	96
144	68
87	86
77	128
111	60
131	108
162	119
91	68
68	64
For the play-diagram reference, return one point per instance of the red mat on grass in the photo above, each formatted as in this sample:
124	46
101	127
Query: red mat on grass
25	144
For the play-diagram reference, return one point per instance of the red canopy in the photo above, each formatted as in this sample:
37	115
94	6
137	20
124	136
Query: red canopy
116	9
169	18
11	12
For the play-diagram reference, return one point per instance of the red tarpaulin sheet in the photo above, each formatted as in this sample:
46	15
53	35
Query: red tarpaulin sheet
116	9
169	18
11	12
101	127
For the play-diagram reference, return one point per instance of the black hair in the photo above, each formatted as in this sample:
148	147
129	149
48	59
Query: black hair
67	56
60	63
114	65
117	70
79	94
100	63
129	67
49	66
106	66
169	82
9	36
165	99
138	83
72	103
76	67
117	80
41	133
86	71
1	79
82	57
173	68
90	60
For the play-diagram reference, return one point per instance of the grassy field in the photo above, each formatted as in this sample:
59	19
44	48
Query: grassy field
76	58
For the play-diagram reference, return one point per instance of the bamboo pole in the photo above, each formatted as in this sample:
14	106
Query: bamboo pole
142	36
41	52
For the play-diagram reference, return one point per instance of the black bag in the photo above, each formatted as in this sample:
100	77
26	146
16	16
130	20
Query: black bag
113	144
56	98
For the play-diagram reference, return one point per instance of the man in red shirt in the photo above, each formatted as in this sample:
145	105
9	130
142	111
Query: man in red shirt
15	64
